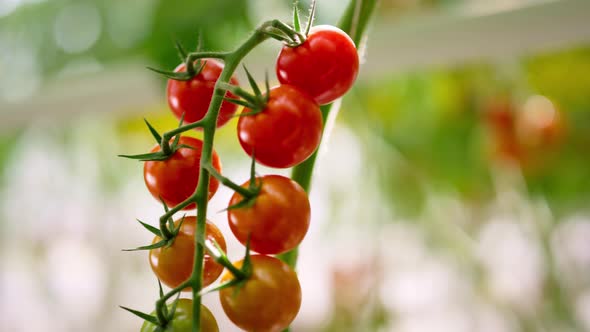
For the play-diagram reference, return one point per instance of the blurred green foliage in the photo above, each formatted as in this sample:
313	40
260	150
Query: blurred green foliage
432	125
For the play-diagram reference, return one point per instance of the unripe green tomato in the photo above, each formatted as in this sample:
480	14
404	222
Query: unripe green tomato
183	319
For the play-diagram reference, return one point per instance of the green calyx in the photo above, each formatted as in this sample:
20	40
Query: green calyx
161	317
255	101
193	68
167	232
241	275
296	35
250	194
167	148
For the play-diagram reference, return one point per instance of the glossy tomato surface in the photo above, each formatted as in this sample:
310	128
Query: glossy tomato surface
277	221
193	97
174	264
175	179
325	66
183	319
286	132
268	301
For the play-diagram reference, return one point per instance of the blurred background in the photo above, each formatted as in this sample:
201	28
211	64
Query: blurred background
453	194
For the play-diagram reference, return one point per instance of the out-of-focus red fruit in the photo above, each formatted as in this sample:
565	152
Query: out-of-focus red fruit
539	123
499	115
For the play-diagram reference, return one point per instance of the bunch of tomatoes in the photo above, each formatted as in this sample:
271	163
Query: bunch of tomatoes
269	214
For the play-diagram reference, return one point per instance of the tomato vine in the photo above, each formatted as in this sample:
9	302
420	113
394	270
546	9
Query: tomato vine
171	145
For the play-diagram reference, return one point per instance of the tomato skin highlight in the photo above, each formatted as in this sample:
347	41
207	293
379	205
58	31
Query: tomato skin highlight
277	221
193	97
174	265
175	179
325	66
286	132
268	301
183	319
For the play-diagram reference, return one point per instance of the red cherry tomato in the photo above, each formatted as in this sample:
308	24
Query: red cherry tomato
325	65
286	132
174	264
175	179
268	301
277	221
192	97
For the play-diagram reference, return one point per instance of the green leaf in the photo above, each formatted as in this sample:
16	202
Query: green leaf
278	36
182	54
181	120
201	64
153	156
156	245
252	111
161	291
245	203
252	82
160	288
180	76
231	283
296	21
150	228
176	230
173	308
240	102
253	170
311	17
154	132
247	264
267	86
170	220
174	144
144	316
218	255
236	90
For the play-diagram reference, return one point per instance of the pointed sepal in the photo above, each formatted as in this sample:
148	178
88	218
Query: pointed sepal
142	315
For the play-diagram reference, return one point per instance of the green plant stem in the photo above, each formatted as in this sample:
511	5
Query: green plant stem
231	64
166	234
220	257
162	301
245	192
354	22
200	197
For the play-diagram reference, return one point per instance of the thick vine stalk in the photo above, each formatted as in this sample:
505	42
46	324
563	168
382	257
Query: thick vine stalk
354	22
200	197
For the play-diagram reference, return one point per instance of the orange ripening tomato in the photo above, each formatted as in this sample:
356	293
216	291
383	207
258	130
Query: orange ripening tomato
266	302
278	219
174	264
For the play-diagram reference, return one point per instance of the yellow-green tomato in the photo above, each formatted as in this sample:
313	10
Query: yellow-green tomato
183	319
